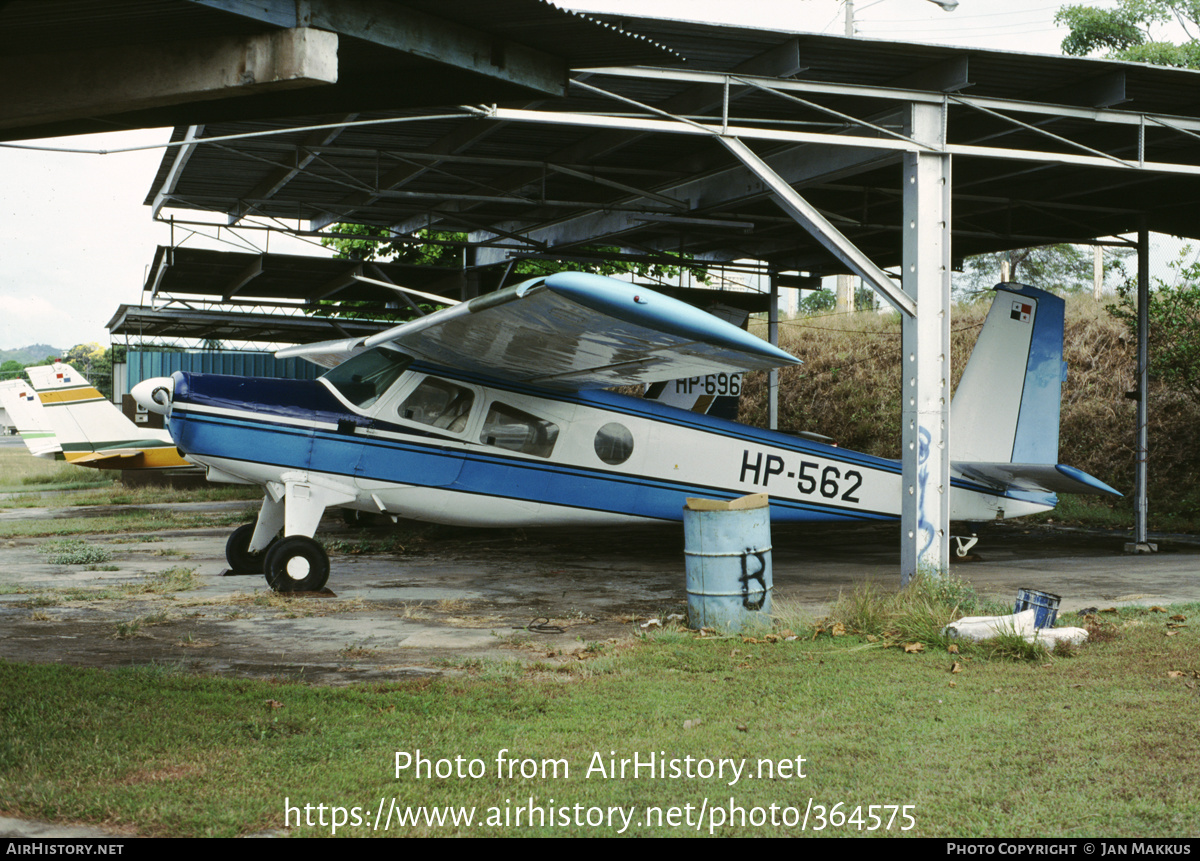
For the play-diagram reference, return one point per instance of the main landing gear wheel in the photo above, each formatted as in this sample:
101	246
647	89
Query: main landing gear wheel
238	555
296	564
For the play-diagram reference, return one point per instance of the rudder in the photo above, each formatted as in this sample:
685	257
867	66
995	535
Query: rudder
1006	408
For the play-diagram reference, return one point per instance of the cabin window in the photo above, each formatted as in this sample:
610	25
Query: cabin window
510	428
614	443
438	403
364	378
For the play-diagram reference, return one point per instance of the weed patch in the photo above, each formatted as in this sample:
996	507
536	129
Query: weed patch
914	614
74	552
172	580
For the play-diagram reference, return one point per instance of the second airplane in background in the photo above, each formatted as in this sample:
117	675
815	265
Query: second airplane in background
89	428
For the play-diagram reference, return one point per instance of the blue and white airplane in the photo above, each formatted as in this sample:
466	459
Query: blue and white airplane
494	412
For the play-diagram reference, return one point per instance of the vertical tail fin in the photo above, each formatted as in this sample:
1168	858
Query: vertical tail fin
26	413
91	430
80	416
1006	407
1005	413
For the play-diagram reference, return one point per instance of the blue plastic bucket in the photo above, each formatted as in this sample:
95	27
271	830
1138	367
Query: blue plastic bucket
727	550
1044	604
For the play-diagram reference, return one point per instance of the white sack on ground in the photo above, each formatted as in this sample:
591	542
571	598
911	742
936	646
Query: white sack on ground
986	627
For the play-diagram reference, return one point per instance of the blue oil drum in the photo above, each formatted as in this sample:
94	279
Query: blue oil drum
727	549
1044	605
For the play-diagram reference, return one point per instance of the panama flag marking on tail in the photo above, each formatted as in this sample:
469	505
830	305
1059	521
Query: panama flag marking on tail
1022	311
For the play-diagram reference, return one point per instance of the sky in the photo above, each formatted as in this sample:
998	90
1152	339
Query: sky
75	239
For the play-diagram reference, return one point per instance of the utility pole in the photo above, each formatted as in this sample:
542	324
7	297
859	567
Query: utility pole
845	294
946	5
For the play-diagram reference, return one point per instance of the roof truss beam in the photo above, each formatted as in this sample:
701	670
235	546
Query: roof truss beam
182	155
252	270
821	229
778	61
896	94
456	141
306	153
335	284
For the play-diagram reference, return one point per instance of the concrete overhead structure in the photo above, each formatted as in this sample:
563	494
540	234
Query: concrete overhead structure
70	67
810	154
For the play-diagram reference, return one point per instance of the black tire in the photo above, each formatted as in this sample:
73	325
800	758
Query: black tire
238	555
296	564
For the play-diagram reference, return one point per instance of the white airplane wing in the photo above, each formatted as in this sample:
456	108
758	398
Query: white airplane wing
572	330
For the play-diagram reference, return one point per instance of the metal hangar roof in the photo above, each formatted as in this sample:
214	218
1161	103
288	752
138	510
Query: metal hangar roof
1046	149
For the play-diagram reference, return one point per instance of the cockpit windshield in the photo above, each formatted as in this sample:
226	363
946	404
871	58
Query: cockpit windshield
363	379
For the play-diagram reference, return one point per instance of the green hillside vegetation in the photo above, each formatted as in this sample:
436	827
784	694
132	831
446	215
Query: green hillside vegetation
849	388
30	355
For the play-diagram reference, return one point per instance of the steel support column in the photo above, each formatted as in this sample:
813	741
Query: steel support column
1141	542
925	410
773	337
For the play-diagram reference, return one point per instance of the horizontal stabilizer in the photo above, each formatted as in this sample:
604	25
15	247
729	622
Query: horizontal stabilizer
1034	477
111	458
91	431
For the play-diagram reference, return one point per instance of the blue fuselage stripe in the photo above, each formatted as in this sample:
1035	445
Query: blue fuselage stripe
425	464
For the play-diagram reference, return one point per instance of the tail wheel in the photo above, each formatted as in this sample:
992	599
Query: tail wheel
237	551
296	564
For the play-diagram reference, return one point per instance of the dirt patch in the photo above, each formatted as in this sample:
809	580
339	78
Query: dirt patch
448	600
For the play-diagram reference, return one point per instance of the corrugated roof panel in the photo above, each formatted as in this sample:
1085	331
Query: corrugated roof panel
502	174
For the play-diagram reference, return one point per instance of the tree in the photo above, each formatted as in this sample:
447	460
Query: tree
865	299
441	248
95	363
81	356
1174	315
1133	31
817	302
375	245
1061	269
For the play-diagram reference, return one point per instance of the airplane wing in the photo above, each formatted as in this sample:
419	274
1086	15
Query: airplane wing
573	331
327	354
1036	477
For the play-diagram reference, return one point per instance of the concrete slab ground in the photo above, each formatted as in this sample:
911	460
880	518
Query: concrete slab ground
441	599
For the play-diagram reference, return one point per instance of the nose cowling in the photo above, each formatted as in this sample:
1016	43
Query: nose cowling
155	394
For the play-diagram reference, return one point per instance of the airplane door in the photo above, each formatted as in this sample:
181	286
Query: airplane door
418	437
336	454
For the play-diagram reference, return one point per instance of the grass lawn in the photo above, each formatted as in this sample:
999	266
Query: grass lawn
1098	743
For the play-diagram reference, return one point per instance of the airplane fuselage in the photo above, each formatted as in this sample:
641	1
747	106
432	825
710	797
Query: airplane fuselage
449	447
